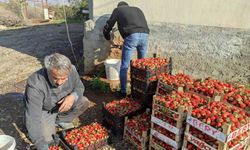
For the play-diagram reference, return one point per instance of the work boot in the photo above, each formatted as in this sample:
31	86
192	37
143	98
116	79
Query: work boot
120	95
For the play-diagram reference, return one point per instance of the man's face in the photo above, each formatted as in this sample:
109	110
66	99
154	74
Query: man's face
58	78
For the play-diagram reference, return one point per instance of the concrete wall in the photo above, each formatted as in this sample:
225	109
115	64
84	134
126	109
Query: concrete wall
95	47
223	13
200	40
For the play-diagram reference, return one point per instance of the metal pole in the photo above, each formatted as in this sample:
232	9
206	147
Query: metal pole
26	9
42	9
42	4
34	6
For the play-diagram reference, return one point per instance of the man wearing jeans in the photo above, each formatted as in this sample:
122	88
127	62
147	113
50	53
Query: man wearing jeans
57	84
133	27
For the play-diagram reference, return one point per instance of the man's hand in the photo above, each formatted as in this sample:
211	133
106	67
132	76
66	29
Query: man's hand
66	103
112	43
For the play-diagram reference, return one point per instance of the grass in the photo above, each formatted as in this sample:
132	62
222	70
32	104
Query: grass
98	85
2	5
60	21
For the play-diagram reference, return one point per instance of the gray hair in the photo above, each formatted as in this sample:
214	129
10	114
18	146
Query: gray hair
57	61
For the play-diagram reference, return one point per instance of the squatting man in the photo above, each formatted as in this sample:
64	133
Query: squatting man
53	96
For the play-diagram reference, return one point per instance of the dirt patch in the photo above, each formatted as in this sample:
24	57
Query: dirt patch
9	19
22	50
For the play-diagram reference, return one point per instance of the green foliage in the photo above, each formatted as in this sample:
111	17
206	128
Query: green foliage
97	84
248	86
100	73
73	10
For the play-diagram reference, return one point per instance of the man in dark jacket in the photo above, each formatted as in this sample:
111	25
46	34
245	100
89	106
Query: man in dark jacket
57	84
133	27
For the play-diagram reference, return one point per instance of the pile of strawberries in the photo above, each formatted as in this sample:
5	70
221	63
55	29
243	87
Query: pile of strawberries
133	138
149	63
139	123
148	69
122	107
239	98
217	114
179	98
175	81
191	146
86	136
163	131
161	143
210	87
203	137
55	148
165	118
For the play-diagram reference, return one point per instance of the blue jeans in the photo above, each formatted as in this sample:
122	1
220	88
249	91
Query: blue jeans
134	41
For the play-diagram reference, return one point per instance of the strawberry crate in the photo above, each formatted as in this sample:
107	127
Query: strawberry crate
132	139
217	126
169	127
115	121
211	87
194	140
165	139
239	98
89	137
146	68
58	144
143	86
168	83
145	99
169	115
176	104
157	144
136	130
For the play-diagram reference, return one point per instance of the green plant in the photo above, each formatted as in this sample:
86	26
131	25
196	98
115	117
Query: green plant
97	84
15	7
73	11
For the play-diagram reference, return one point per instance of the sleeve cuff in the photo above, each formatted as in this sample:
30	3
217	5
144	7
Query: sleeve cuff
75	95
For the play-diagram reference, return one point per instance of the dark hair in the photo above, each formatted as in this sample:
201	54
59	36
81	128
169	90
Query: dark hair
122	3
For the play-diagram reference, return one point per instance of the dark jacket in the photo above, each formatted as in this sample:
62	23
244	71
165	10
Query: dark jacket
129	19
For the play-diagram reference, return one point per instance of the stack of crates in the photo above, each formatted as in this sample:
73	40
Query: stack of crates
169	108
144	79
115	122
136	130
167	127
201	134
